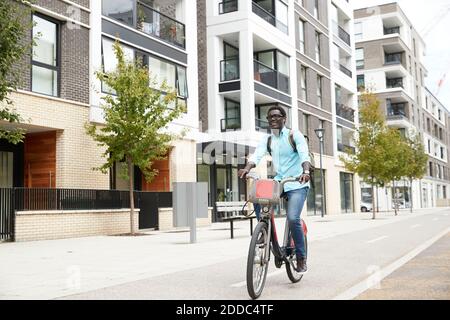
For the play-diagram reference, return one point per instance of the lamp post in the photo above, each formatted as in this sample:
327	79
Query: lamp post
320	133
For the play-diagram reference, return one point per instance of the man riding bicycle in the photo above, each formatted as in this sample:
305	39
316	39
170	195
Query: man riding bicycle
288	162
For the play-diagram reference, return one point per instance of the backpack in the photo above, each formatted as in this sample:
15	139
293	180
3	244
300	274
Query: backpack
294	147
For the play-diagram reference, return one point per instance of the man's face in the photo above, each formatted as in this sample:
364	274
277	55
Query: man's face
276	119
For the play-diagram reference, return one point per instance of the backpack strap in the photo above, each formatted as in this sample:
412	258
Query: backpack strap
291	142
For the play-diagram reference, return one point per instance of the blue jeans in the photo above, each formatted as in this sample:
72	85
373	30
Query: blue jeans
296	200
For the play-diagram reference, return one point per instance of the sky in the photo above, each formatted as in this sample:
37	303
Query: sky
431	18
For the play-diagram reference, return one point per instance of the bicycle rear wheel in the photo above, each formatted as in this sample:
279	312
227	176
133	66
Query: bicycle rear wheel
293	275
258	260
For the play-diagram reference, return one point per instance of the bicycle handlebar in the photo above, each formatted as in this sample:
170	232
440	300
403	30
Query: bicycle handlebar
282	182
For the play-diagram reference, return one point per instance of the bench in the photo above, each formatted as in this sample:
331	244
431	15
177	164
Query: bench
231	211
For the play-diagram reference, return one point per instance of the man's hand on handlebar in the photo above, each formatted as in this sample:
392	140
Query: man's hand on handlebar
304	178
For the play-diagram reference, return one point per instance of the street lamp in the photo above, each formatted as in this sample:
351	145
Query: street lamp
320	134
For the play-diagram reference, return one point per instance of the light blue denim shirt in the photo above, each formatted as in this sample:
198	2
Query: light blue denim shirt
286	162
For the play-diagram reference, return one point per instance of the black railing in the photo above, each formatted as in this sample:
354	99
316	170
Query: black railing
345	70
159	25
262	125
7	217
394	83
228	6
230	124
346	148
345	112
393	58
391	30
396	109
271	77
269	17
229	69
344	35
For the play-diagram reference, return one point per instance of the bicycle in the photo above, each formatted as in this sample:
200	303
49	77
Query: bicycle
268	193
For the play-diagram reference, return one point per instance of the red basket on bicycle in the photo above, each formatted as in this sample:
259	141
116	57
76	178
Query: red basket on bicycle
265	191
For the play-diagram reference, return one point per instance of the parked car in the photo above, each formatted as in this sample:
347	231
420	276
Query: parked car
366	206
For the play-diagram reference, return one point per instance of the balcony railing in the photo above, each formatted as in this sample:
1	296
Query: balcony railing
345	112
230	124
161	26
228	6
271	77
229	69
270	18
345	70
344	35
391	30
393	58
396	109
262	126
345	148
394	83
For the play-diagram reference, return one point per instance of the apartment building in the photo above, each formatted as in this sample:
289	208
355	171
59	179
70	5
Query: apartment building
53	98
59	92
257	54
390	62
163	33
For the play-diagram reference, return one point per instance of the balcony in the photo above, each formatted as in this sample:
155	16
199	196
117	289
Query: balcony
394	83
391	30
396	111
161	26
343	35
269	17
230	124
228	6
345	70
345	112
229	69
271	77
262	126
345	148
393	58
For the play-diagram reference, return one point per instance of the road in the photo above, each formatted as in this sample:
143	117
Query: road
407	258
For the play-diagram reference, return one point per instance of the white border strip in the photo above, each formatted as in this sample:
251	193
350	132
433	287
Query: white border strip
366	284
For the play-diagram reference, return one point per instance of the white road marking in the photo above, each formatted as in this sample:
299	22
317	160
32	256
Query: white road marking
415	226
243	283
356	290
377	239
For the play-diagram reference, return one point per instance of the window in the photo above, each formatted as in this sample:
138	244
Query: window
316	9
439	114
442	152
414	46
319	91
305	124
281	10
358	31
121	10
303	88
430	165
45	60
301	32
232	115
174	75
317	46
359	55
429	146
360	81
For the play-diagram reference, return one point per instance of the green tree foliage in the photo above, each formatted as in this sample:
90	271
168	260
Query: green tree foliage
15	25
135	120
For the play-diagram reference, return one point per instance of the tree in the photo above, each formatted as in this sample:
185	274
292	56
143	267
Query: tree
368	159
135	118
417	161
14	27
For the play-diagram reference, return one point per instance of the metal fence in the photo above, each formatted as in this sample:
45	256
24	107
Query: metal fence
40	199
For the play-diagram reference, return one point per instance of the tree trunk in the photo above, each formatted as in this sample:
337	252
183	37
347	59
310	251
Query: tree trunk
376	192
410	195
394	198
373	200
131	188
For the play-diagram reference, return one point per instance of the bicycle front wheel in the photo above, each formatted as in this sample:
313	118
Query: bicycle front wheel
258	260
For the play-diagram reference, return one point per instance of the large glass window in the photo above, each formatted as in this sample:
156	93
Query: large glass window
232	119
346	183
303	83
358	31
283	63
121	10
281	10
318	47
45	65
319	91
162	71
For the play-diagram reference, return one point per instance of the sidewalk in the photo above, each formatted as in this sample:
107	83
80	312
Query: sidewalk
55	268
